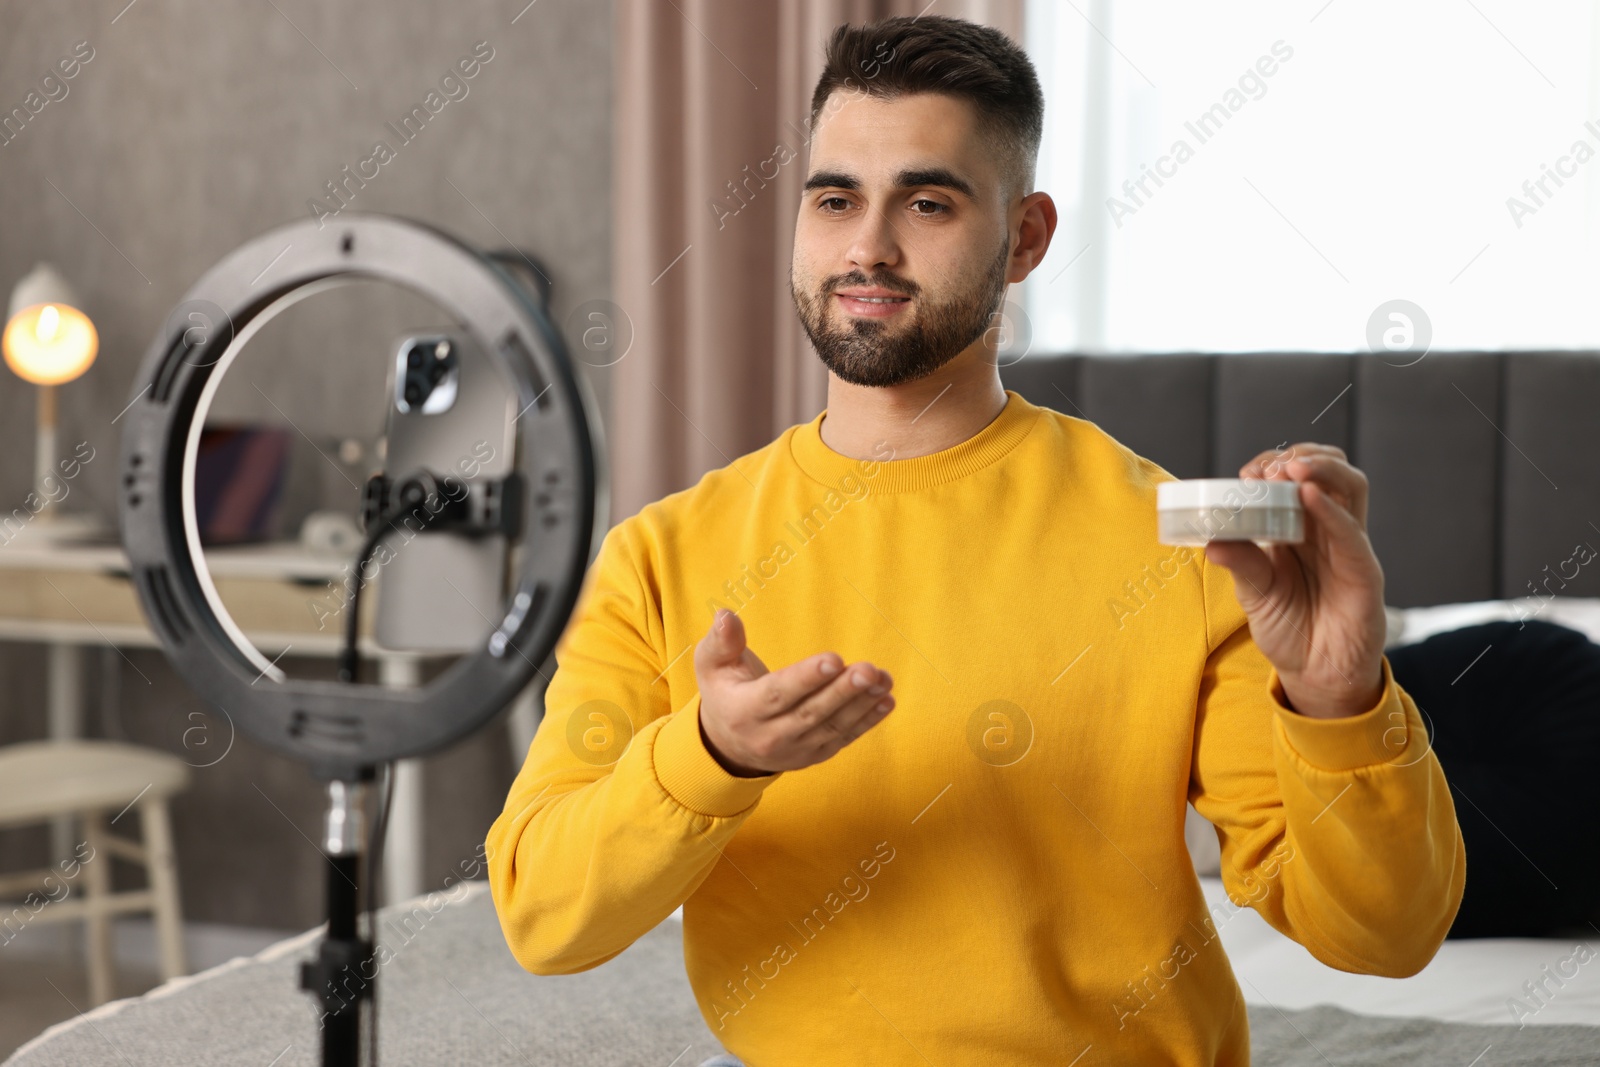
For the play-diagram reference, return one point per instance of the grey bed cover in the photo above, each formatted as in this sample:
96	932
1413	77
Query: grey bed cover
450	992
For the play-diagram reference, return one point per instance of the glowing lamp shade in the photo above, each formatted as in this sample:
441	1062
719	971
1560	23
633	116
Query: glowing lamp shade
48	341
48	344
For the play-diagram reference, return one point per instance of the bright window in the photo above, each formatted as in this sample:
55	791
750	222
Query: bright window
1317	160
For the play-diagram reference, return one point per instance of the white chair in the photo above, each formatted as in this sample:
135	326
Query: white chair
44	780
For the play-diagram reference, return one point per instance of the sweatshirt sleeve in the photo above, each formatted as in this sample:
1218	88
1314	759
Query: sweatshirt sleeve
619	812
1341	833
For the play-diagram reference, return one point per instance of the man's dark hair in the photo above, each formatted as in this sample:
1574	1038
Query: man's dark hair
934	54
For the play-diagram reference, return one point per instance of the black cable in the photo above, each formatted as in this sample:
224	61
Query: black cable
349	664
349	656
410	495
374	880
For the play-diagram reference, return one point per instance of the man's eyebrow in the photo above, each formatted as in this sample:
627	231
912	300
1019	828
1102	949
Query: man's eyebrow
832	179
940	176
906	179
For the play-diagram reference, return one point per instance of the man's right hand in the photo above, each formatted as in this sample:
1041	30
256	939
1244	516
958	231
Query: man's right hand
757	722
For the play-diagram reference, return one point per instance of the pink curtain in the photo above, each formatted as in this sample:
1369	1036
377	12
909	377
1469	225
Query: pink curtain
710	154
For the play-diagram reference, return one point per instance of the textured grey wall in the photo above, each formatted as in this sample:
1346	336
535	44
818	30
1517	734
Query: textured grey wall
195	126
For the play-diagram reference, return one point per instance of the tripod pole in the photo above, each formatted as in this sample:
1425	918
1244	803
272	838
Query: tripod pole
343	974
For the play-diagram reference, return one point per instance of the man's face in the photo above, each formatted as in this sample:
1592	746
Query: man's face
901	245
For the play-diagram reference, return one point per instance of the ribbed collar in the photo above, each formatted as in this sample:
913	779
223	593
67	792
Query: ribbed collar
919	472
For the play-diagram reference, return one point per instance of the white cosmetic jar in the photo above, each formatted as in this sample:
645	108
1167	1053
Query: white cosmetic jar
1197	510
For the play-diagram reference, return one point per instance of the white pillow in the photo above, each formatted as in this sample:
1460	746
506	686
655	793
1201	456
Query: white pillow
1407	626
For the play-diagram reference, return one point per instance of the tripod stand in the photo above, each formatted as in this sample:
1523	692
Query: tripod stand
345	972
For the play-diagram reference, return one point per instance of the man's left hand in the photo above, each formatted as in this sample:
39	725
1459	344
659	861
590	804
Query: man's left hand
1315	608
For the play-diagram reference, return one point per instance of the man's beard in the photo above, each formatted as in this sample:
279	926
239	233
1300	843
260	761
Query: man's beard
874	352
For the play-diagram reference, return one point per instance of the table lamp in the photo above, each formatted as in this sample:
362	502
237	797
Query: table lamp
48	340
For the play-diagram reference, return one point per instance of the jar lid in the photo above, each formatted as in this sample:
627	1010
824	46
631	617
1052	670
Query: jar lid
1230	493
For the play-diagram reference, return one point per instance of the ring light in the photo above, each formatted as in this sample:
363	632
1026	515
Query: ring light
339	728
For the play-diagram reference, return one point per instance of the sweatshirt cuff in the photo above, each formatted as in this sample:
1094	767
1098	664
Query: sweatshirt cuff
1375	736
692	776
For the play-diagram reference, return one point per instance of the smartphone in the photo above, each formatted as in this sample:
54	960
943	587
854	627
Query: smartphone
452	413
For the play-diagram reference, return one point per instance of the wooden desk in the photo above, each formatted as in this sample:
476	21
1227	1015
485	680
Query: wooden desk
83	594
75	596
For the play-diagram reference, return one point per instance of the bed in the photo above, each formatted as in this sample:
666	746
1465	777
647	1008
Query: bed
1480	482
453	994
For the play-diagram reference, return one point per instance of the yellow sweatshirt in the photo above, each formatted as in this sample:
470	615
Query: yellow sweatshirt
996	873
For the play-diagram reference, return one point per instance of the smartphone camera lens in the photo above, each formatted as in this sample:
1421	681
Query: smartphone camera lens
426	367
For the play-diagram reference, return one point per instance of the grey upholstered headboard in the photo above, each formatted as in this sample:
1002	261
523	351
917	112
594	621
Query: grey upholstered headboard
1482	464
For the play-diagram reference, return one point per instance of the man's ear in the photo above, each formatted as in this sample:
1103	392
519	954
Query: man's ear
1034	223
